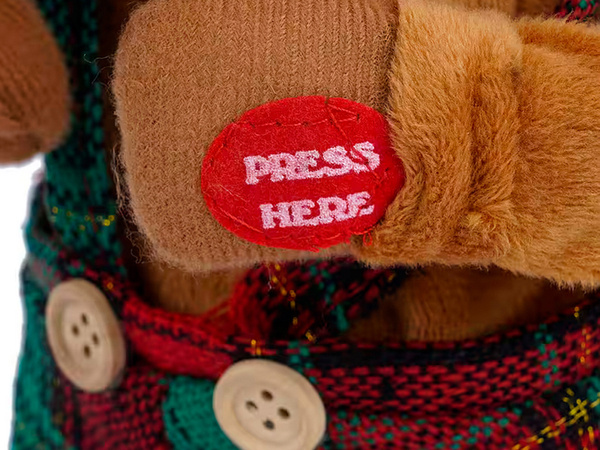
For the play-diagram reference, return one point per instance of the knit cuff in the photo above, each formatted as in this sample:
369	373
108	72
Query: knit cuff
496	123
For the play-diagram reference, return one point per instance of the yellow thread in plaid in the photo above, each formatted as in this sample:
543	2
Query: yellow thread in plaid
104	220
285	292
584	345
256	351
551	431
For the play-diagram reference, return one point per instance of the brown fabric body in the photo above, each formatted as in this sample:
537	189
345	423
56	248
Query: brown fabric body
34	93
182	292
437	302
443	304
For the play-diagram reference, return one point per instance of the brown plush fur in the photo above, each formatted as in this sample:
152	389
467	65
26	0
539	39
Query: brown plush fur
453	111
182	292
509	7
525	128
34	98
436	303
498	125
443	303
457	76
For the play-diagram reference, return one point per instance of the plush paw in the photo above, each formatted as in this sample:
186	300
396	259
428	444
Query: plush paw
497	124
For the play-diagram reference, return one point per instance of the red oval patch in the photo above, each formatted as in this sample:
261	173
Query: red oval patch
302	173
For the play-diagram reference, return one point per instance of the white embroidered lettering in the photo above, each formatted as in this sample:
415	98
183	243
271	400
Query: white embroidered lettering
283	166
286	166
356	203
367	150
300	210
304	161
256	166
326	210
338	213
282	214
337	156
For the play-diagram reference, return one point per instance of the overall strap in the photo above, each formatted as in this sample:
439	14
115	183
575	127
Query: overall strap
78	194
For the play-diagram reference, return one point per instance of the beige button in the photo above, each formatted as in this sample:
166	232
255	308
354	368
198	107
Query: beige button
262	405
85	336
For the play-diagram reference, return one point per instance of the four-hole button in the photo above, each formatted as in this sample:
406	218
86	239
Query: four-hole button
263	405
85	336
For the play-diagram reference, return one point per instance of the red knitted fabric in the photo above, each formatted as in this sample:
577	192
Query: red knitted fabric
577	9
415	378
129	417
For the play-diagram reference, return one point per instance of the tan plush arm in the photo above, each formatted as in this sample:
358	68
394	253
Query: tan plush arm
498	124
34	99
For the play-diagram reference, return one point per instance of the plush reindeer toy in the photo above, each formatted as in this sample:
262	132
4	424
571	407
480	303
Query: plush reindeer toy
285	224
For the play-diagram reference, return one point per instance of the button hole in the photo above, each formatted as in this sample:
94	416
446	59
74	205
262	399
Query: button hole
87	351
84	319
95	339
266	395
75	330
251	406
269	425
283	413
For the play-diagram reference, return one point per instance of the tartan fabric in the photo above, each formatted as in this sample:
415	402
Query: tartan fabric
578	9
78	198
189	402
38	420
521	389
127	417
535	387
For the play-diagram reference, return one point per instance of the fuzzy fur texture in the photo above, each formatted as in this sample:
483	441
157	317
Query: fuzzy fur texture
498	125
437	302
34	92
181	292
440	303
470	105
